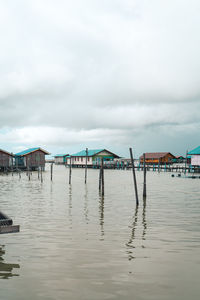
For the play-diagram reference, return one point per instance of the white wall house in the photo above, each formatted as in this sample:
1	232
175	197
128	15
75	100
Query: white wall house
195	160
93	157
195	156
60	159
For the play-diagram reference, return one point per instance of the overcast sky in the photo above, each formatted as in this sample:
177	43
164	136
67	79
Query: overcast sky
100	74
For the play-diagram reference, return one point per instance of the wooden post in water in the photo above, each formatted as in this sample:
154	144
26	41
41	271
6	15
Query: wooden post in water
70	170
12	163
145	173
134	176
102	177
51	171
41	174
29	174
38	172
86	165
186	161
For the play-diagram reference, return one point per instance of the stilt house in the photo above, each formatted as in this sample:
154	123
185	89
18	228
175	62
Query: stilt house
93	158
157	158
31	158
195	156
6	159
60	159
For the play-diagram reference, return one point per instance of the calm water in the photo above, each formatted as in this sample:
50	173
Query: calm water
74	244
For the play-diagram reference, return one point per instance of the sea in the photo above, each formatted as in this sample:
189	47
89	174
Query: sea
76	244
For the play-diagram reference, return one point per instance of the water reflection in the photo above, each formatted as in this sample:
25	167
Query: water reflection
6	269
101	215
144	222
70	206
86	210
131	244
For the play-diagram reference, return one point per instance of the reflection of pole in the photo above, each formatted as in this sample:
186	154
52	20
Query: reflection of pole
134	176
144	223
70	170
100	173
86	165
101	212
129	244
145	172
102	177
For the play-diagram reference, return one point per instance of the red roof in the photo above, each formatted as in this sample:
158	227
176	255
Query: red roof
155	155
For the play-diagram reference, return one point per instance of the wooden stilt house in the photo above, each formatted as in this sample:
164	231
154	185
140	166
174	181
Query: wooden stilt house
157	158
31	158
6	160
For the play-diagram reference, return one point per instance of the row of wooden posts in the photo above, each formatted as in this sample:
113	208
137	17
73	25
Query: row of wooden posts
101	175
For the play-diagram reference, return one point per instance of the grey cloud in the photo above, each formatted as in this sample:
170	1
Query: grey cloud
112	65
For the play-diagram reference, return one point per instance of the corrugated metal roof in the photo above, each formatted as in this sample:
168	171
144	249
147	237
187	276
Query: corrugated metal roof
155	155
90	152
27	151
194	151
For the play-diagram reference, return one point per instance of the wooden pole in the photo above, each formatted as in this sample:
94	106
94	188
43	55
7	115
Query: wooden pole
102	177
29	174
38	172
186	161
41	174
145	172
70	170
134	176
51	171
86	165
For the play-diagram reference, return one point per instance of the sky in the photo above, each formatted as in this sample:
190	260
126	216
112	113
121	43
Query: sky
107	74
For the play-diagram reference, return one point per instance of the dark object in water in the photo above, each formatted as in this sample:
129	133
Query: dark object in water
5	220
172	175
179	175
6	224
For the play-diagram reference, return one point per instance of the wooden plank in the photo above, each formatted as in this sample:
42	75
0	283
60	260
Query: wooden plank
9	229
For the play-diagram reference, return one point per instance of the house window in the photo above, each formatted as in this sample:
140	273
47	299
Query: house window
81	159
88	159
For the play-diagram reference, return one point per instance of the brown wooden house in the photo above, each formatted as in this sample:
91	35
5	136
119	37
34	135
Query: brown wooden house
5	159
31	159
157	158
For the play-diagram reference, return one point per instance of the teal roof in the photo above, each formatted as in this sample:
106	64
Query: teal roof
194	151
27	151
90	152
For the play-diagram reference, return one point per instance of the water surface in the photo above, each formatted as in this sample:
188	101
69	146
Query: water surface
75	244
